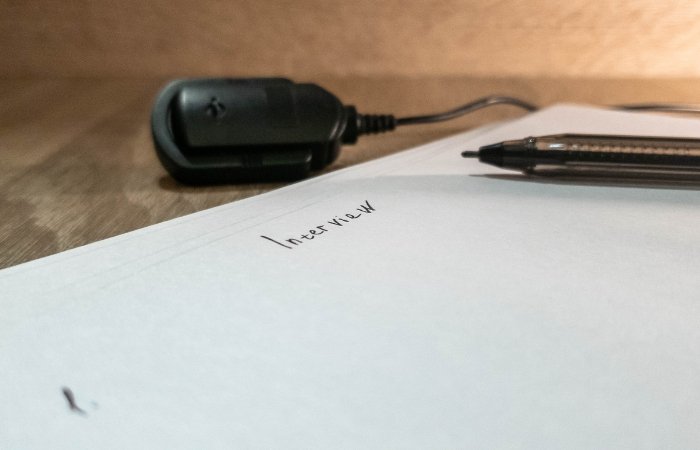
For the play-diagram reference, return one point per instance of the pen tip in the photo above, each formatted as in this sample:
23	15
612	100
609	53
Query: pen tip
470	154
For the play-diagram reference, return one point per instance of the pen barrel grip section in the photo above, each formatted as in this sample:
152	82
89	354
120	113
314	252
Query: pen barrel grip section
614	156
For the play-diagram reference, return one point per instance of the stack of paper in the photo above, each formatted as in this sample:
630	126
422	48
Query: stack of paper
410	302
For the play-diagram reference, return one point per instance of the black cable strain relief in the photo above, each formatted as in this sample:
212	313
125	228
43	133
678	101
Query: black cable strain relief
358	124
375	123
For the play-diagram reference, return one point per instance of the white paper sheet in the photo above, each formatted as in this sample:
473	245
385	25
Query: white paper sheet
464	311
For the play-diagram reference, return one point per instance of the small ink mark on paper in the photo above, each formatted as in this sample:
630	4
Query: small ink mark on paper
70	398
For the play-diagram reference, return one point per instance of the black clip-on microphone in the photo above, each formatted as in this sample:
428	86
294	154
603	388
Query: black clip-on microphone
213	131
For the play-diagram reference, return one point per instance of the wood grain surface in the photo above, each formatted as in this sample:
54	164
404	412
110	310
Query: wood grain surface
169	38
77	164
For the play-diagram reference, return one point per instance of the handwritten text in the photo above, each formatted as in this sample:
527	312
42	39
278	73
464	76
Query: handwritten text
332	224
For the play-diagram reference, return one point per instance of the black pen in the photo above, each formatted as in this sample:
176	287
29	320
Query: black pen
596	155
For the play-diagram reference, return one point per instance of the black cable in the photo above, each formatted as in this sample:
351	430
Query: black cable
662	107
503	100
380	123
466	109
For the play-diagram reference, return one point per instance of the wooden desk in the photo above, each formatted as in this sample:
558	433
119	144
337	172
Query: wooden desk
77	164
